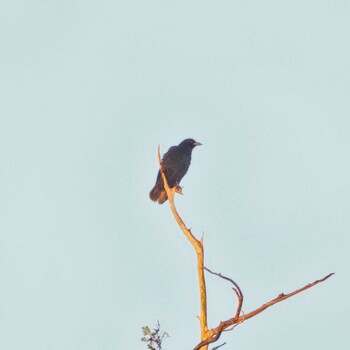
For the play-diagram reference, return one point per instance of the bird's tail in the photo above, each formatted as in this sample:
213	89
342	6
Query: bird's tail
158	194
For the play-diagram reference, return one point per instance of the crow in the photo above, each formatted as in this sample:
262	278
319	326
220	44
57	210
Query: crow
175	164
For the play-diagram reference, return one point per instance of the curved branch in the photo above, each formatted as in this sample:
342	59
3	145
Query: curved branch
236	289
198	247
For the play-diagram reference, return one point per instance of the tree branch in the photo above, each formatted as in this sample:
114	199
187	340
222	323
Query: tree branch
209	336
198	247
234	321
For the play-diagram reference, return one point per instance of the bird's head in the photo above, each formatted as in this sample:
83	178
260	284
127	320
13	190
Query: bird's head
189	143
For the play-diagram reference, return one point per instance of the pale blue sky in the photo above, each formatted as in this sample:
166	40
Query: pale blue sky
90	88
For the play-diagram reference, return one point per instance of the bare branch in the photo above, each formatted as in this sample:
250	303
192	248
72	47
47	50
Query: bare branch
199	249
236	289
282	297
237	320
219	346
209	336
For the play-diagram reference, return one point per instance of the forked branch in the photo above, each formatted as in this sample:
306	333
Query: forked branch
209	336
238	319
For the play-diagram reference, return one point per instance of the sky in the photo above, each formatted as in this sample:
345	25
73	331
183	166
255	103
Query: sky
89	89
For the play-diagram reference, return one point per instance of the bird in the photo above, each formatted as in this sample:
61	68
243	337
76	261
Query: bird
175	164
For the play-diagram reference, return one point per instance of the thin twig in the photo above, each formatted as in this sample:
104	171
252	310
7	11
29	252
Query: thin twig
236	289
219	346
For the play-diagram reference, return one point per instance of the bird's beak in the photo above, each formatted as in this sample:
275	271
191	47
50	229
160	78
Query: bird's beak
197	144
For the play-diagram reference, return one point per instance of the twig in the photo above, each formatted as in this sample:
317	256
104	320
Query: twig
236	289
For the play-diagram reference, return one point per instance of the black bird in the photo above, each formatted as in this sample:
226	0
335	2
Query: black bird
175	164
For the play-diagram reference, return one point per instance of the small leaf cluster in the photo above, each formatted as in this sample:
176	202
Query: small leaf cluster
153	338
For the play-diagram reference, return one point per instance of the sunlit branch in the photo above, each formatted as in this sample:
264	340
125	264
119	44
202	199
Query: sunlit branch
209	336
240	319
198	246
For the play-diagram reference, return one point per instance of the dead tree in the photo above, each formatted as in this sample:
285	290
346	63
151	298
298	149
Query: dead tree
209	336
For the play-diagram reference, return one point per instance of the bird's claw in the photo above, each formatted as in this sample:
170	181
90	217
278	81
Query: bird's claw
178	189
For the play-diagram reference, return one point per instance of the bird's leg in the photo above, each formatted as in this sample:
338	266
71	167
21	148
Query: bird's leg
178	188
